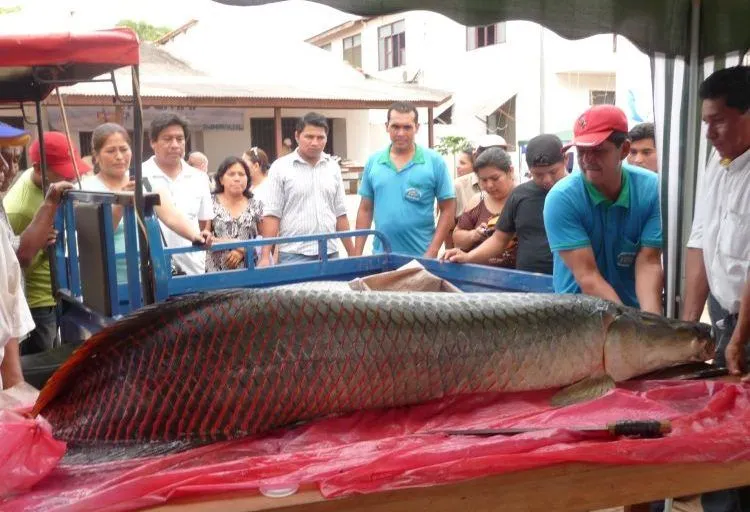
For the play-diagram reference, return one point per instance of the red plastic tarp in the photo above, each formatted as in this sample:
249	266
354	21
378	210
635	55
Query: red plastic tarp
65	57
379	450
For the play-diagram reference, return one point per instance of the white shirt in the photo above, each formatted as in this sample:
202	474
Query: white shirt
191	194
15	317
306	199
721	228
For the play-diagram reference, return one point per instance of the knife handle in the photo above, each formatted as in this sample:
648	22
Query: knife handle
635	428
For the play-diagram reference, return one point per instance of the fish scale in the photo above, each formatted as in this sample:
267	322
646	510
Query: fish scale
228	364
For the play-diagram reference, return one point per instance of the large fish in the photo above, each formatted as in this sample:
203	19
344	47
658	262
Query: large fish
229	364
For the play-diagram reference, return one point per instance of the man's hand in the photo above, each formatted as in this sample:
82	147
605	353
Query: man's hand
55	192
431	253
205	238
52	237
735	356
234	258
455	255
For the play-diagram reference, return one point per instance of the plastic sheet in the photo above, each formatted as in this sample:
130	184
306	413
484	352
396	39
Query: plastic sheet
378	450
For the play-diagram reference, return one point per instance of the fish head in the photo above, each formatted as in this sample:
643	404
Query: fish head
638	343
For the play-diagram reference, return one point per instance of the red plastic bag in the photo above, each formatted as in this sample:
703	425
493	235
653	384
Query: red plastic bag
28	452
378	450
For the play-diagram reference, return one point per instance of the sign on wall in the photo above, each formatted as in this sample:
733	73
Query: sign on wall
199	118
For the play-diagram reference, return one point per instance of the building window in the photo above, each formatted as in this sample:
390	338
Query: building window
503	122
601	97
353	50
479	37
392	45
326	47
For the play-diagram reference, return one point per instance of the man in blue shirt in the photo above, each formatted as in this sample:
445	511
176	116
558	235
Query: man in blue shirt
399	187
603	222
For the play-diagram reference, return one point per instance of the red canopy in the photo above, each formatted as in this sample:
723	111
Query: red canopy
31	65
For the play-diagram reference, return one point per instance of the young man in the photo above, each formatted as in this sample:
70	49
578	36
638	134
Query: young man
523	212
643	147
305	196
31	214
399	188
188	187
603	223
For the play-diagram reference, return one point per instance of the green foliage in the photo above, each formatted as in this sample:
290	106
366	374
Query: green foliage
145	31
9	10
452	145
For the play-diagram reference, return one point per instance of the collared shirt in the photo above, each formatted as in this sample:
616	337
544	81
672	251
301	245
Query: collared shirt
191	194
467	193
721	228
306	199
577	215
404	199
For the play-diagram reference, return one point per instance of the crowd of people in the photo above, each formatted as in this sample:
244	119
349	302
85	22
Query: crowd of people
596	230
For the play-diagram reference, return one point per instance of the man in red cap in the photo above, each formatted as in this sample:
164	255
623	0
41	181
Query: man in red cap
603	223
31	217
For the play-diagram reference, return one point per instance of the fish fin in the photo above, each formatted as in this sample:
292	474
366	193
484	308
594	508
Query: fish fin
108	338
583	391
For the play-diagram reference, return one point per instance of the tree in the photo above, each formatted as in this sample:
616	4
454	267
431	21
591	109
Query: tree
452	145
145	31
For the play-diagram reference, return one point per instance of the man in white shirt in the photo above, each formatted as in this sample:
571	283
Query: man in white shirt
188	186
305	196
718	255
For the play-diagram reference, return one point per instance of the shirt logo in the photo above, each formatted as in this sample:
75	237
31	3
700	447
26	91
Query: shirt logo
625	259
412	194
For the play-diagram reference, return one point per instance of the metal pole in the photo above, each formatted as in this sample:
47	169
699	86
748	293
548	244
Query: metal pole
278	137
689	164
45	185
430	128
147	283
66	127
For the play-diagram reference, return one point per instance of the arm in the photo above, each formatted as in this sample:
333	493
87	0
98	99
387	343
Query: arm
482	254
175	220
735	352
649	280
342	224
582	264
269	228
446	219
37	234
10	367
364	221
696	289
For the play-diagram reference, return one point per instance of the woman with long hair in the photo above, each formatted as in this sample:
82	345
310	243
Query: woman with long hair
257	161
237	213
111	155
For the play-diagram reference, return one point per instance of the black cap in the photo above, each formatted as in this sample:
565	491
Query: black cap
544	149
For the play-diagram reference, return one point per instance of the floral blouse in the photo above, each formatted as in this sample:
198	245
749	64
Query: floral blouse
244	227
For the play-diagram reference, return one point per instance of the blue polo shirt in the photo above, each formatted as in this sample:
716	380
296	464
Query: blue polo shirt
404	200
577	215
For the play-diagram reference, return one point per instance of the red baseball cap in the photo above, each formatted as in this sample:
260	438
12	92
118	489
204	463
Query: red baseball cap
597	124
57	153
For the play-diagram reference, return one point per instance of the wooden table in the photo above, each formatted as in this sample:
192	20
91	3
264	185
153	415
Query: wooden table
560	488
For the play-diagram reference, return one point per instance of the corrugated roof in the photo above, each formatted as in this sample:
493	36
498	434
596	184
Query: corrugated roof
164	76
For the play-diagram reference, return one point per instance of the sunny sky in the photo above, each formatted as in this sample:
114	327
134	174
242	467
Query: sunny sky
293	16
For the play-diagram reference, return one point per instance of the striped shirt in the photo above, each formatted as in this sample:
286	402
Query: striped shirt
307	200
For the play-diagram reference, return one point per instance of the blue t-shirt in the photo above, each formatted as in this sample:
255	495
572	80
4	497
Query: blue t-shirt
577	215
404	200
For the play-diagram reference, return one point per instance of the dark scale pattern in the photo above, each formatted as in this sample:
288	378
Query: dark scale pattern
228	364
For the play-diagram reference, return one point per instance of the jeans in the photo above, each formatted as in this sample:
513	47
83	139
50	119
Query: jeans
44	336
286	258
730	500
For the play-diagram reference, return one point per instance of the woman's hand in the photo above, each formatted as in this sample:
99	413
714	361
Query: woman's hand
234	258
480	233
455	255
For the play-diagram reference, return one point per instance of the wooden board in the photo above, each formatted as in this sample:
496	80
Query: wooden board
562	488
